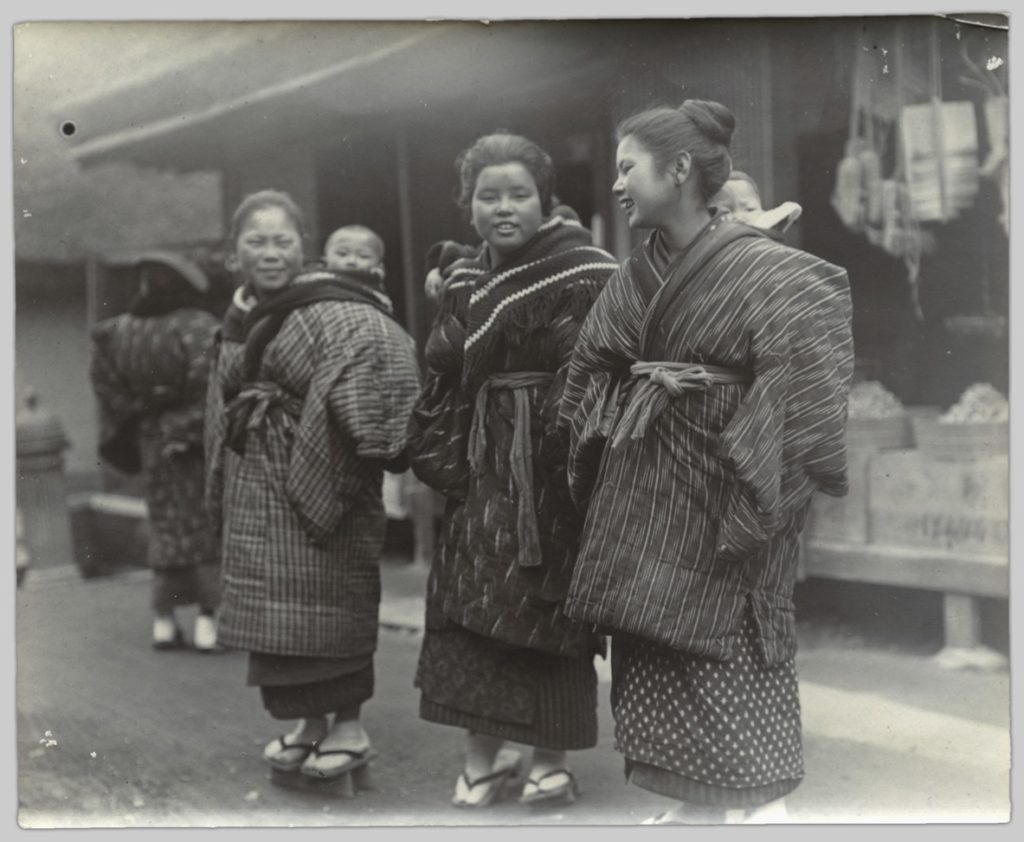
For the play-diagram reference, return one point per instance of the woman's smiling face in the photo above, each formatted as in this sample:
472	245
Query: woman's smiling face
268	251
648	193
506	207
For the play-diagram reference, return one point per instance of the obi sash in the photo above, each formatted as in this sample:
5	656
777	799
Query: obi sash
520	455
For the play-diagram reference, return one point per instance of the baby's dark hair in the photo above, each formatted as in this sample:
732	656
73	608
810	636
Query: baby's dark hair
736	175
369	233
700	127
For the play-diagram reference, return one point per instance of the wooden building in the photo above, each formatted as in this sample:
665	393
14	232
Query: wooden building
361	122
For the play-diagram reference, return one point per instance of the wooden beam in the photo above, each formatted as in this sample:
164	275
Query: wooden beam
108	143
909	567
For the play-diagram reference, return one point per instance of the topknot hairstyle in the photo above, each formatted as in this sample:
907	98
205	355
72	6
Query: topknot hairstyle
700	127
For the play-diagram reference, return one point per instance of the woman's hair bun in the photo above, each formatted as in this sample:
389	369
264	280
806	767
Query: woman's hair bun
714	120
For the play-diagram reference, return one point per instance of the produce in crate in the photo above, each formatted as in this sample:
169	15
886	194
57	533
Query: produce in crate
981	403
848	198
870	399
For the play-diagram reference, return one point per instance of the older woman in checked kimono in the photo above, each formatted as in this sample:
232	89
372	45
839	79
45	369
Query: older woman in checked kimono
313	387
706	400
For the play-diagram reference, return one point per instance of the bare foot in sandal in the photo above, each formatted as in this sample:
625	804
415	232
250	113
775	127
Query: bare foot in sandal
346	747
488	788
289	751
550	779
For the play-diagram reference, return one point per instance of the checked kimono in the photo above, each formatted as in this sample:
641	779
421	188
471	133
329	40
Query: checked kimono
706	403
310	402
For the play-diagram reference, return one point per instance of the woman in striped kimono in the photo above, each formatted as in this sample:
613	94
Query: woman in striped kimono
706	401
313	387
499	658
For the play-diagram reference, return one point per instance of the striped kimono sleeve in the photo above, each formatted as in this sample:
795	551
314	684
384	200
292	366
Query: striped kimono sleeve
358	370
565	327
606	346
375	384
787	437
214	429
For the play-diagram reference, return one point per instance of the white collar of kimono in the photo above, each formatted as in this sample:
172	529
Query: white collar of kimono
242	301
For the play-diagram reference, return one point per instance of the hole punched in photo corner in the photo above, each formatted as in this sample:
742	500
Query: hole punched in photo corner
68	128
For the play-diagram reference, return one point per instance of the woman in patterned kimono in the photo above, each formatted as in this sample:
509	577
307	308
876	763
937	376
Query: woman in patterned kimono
499	659
149	372
313	387
706	401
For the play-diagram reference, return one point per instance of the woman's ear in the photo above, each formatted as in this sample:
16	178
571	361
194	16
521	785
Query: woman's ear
681	169
231	263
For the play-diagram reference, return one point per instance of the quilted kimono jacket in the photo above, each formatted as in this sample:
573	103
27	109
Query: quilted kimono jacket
696	471
299	509
486	437
149	374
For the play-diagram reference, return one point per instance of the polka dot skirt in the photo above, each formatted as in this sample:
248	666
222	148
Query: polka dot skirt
721	725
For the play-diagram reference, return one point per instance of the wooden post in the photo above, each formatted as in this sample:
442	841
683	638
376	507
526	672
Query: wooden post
92	291
767	125
962	621
410	276
963	647
421	498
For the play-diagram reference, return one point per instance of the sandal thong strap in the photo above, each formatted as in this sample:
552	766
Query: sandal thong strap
483	779
567	772
355	755
285	746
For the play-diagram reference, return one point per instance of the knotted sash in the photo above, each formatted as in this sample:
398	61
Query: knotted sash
251	407
520	455
666	380
662	381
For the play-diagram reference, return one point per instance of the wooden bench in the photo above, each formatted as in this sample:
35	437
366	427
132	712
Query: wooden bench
916	522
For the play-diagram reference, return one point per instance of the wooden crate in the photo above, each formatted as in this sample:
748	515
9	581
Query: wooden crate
961	441
843	518
875	434
846	518
961	506
110	533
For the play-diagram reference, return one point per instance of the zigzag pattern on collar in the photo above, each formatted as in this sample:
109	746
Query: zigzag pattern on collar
486	289
472	271
532	289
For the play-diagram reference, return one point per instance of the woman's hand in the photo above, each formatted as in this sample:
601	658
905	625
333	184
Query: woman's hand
174	448
433	284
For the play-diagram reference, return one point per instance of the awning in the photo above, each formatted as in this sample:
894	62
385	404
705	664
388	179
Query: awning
314	78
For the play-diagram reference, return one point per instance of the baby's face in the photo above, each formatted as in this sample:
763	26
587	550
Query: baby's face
746	202
351	250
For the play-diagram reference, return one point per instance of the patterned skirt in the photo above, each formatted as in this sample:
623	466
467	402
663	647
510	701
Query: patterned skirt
716	733
472	682
179	528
